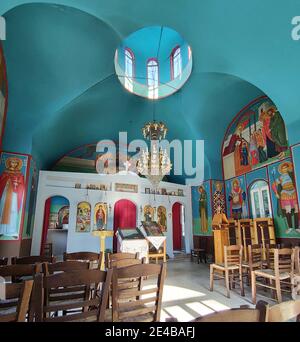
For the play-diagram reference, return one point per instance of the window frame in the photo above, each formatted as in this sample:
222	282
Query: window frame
127	78
155	90
172	62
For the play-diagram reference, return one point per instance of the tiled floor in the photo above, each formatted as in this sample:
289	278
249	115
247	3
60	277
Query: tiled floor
187	296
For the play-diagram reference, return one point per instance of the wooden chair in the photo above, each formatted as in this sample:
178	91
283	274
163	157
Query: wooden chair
48	249
91	308
282	271
255	254
127	262
128	301
32	260
64	266
3	261
242	314
111	257
94	258
283	312
20	295
232	266
15	273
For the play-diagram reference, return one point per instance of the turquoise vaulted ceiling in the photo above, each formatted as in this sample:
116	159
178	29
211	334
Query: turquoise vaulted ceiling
63	92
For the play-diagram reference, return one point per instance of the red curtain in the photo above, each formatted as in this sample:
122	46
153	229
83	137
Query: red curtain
45	223
177	228
124	217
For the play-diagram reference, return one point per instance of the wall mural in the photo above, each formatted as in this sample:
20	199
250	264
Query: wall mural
237	207
148	213
59	212
284	199
201	208
83	222
100	216
3	93
256	137
162	218
12	193
218	196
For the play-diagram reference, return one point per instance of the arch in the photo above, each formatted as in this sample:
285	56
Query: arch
54	205
125	216
176	62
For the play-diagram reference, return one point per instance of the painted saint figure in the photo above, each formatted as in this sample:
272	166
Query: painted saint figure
219	198
162	218
12	186
237	199
285	190
203	212
100	218
244	154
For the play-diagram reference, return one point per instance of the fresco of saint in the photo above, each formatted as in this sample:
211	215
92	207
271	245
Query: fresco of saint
83	223
100	217
148	213
12	187
285	191
237	199
203	212
162	218
218	198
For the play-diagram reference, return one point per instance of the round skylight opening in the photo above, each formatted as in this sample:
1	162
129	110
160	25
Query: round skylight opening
153	62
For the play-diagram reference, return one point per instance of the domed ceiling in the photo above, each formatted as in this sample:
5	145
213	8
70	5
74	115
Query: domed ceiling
64	92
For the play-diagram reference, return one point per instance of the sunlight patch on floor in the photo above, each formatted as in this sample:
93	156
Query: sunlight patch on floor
200	308
178	312
216	306
172	293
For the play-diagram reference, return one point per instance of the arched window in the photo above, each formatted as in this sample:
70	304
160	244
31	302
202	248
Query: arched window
260	199
129	66
176	63
152	77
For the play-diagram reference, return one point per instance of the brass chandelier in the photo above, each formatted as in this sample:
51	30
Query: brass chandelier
154	164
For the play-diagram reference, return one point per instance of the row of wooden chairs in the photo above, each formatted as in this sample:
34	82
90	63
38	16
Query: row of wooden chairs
71	288
279	268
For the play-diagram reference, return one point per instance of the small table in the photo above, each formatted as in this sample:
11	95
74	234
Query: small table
198	253
103	234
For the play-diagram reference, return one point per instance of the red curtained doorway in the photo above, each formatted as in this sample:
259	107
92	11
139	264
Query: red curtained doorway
177	227
124	217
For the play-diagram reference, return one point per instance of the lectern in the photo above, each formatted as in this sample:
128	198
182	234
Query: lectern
220	226
103	234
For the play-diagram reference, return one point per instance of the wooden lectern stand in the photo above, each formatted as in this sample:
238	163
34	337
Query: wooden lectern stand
220	226
103	234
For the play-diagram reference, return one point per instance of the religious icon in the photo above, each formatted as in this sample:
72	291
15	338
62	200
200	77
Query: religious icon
237	199
285	191
162	218
273	130
83	223
218	198
148	213
203	211
100	216
12	188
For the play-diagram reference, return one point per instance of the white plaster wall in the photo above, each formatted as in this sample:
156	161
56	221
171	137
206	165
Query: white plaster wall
63	184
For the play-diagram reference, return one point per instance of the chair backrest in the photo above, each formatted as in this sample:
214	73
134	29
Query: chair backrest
255	256
64	266
270	254
126	262
15	272
233	255
3	261
237	315
20	294
110	257
297	260
48	249
32	260
85	256
283	312
93	305
284	260
128	301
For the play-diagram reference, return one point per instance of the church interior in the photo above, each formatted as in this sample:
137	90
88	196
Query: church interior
149	147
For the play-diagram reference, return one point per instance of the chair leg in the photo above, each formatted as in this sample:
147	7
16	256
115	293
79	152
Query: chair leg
227	283
211	286
241	281
253	287
278	290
